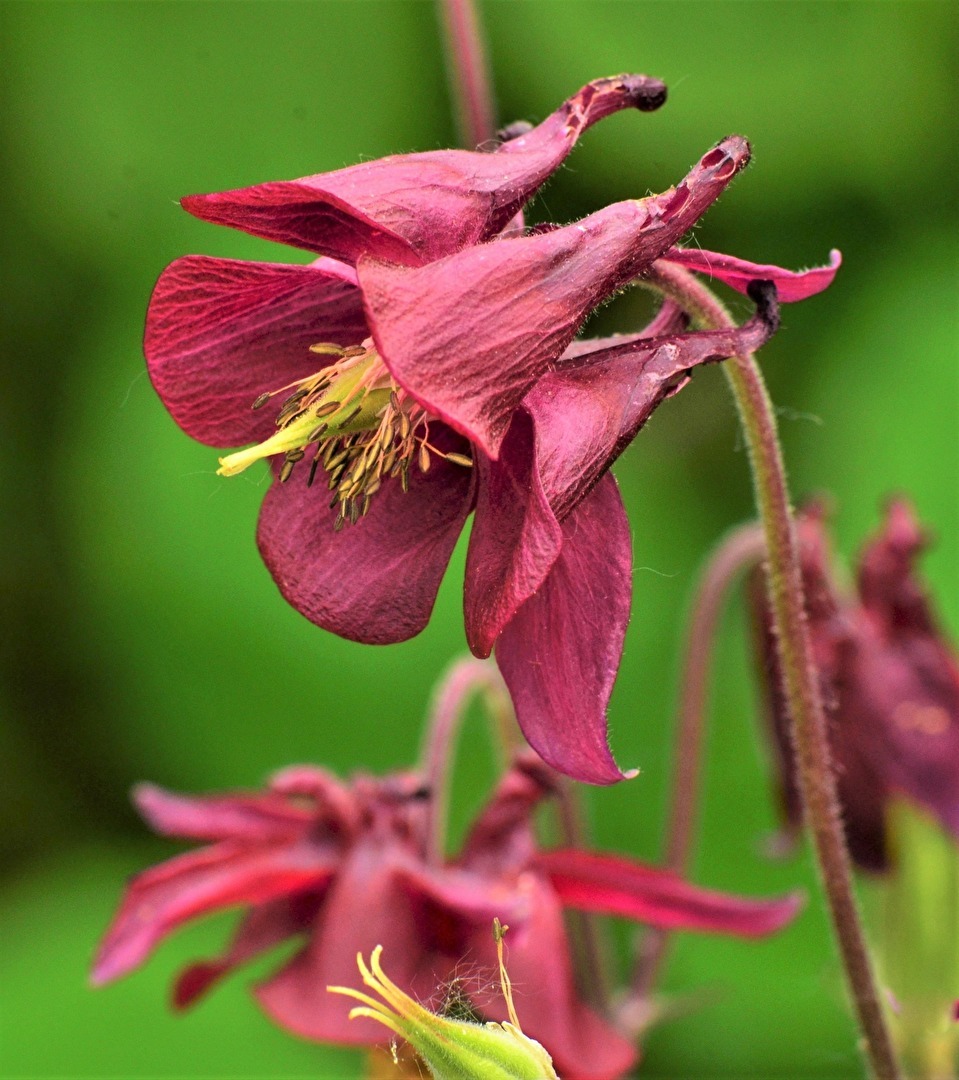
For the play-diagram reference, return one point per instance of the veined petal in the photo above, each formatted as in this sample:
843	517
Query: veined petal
220	332
226	817
413	208
618	886
259	931
166	896
560	653
588	410
375	581
469	335
791	285
514	542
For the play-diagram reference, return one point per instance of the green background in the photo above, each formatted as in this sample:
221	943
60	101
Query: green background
144	639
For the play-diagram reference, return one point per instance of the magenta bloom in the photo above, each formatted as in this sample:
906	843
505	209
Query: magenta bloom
344	868
424	367
890	684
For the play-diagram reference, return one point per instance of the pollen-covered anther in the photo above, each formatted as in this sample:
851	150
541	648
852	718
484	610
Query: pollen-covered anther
365	429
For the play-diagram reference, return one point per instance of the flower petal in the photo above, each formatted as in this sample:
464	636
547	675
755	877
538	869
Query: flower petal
791	285
588	410
617	886
501	838
259	931
220	332
166	896
228	817
560	653
469	335
375	581
367	885
514	542
413	208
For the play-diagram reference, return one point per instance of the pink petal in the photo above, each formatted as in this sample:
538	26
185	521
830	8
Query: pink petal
560	653
618	886
259	931
501	838
166	896
669	320
469	335
791	285
368	905
220	332
514	542
375	581
229	817
588	410
413	208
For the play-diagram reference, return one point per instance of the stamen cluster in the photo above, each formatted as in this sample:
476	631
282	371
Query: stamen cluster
365	428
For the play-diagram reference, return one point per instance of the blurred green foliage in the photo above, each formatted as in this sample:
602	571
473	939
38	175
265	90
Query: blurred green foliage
144	638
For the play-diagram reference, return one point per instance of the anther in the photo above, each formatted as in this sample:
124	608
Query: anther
328	409
460	459
261	400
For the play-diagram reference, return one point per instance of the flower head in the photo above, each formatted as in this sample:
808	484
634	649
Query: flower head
890	684
344	867
424	368
449	1046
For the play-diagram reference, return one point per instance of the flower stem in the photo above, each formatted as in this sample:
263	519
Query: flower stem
800	683
741	548
464	679
592	978
468	72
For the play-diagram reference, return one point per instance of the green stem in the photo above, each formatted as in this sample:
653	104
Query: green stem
800	683
743	547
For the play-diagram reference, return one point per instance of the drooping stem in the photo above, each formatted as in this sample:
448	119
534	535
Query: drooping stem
464	679
800	685
743	547
589	961
468	72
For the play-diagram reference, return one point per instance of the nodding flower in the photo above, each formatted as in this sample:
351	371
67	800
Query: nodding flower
890	684
424	368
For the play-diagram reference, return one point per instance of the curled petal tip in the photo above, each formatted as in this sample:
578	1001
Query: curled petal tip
646	93
763	293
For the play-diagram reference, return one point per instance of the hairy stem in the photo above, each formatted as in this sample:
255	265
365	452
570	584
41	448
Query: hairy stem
800	683
468	72
741	548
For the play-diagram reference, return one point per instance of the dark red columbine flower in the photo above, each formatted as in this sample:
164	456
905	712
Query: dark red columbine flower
890	685
344	867
424	366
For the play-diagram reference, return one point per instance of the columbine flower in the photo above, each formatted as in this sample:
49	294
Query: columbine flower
890	683
345	867
423	368
450	1047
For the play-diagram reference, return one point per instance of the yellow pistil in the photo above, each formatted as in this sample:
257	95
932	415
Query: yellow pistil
365	429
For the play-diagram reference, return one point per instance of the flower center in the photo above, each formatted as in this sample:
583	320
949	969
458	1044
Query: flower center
365	428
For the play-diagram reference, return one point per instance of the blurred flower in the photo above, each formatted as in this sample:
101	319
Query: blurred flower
450	1047
890	684
425	363
345	867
